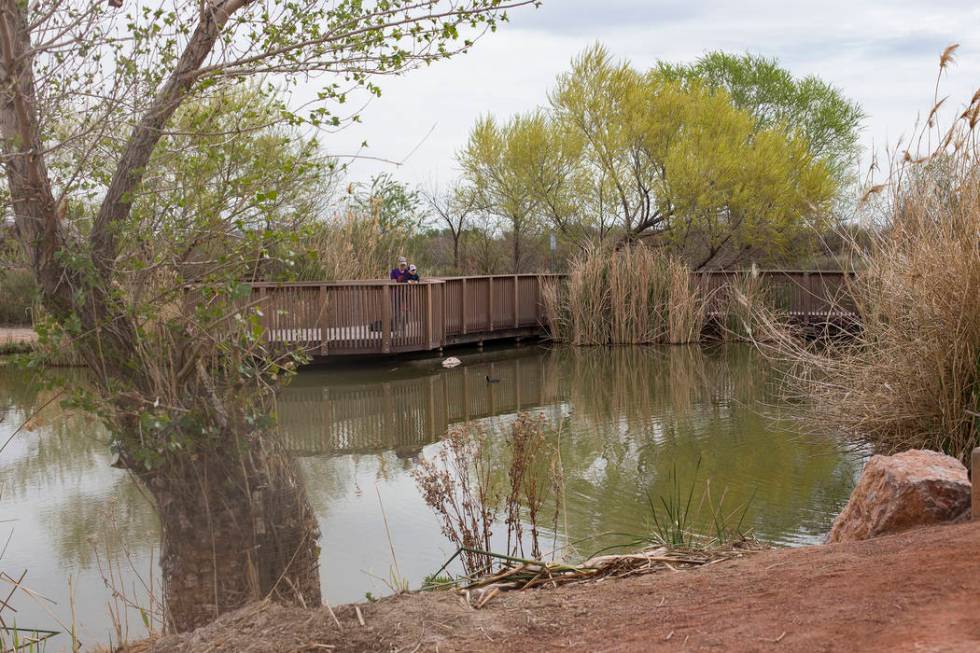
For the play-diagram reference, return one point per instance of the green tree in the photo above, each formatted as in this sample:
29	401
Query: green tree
498	161
88	97
397	206
631	155
830	122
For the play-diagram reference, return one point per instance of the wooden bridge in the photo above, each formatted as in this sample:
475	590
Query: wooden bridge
382	317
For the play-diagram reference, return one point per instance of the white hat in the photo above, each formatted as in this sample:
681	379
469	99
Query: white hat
402	260
411	268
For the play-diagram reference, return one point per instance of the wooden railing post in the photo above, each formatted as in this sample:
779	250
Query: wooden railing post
386	319
323	320
463	315
538	302
444	314
516	313
808	298
490	305
428	314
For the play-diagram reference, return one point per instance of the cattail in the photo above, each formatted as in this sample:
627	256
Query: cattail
947	57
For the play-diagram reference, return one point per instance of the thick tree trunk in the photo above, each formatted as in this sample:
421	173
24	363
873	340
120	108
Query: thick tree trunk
237	527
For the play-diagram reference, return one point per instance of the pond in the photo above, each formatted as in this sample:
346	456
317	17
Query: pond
626	421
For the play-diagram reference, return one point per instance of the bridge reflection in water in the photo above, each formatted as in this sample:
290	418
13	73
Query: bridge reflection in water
373	409
377	410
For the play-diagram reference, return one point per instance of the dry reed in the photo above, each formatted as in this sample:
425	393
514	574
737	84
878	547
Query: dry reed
353	246
911	376
463	488
635	295
521	574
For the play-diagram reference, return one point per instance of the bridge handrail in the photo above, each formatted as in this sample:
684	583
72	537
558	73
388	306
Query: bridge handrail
380	316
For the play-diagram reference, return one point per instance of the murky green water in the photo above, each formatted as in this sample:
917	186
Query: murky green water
627	418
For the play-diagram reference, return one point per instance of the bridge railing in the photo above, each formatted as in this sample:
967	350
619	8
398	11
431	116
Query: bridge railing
382	317
805	294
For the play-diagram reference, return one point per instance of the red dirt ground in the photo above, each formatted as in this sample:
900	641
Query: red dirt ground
916	591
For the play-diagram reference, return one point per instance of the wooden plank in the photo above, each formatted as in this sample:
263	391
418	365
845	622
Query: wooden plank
323	320
516	304
464	317
428	315
490	304
386	319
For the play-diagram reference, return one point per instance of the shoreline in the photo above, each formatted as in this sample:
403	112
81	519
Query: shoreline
915	590
17	340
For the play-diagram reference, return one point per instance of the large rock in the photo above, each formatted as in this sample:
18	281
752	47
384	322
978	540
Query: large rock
913	488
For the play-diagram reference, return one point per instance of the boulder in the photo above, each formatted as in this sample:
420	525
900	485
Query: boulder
912	488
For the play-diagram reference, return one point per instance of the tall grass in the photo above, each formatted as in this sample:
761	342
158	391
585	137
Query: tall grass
911	377
634	295
353	246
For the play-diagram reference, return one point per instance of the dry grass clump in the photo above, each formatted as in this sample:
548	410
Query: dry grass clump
911	377
519	574
353	246
745	297
635	295
462	484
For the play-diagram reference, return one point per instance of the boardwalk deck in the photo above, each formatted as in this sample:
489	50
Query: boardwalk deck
381	317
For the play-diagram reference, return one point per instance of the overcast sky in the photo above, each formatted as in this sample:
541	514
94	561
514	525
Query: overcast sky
884	54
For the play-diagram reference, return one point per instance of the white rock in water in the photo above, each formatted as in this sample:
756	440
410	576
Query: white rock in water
452	361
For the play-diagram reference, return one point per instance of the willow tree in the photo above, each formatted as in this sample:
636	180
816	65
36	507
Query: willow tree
683	165
828	120
497	161
88	93
621	154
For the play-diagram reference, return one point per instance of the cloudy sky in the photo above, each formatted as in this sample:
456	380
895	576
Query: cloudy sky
884	54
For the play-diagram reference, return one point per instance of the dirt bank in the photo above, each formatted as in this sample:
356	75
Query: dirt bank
918	591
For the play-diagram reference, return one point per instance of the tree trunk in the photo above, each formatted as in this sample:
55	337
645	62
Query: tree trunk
517	252
236	527
456	253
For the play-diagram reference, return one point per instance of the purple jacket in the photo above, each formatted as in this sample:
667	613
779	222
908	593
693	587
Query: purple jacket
401	276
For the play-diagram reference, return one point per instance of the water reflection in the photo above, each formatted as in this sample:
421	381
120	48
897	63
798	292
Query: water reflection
624	419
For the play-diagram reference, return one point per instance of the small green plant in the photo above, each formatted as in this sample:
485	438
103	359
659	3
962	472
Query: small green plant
24	640
677	526
671	526
434	582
